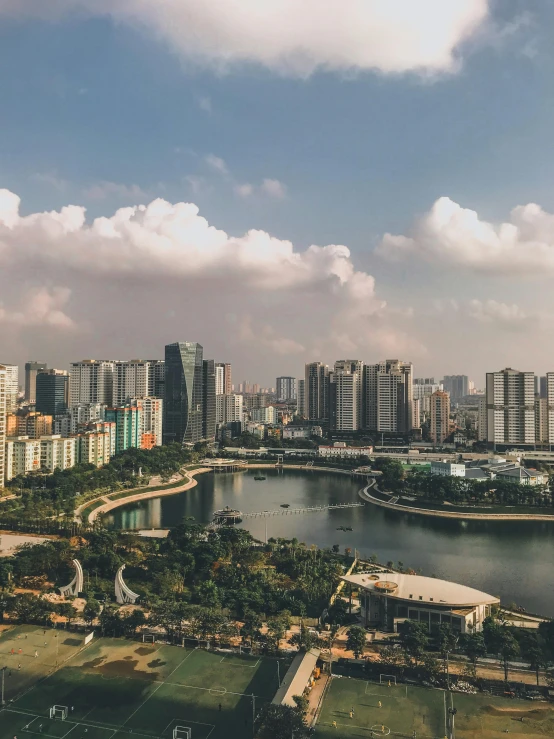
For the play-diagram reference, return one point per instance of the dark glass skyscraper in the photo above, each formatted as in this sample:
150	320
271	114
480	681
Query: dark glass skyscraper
208	399
52	392
183	396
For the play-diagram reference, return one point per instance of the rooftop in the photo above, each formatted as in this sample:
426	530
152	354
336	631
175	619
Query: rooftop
421	589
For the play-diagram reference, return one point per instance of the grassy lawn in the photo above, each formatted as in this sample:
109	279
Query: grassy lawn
406	708
114	688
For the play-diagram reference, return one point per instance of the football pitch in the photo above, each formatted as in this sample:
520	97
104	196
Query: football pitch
114	689
405	709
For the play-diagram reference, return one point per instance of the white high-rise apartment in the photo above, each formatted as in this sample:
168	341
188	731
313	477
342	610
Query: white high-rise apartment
345	395
57	453
510	397
286	388
389	397
91	381
22	456
228	408
223	381
3	379
12	386
130	380
440	416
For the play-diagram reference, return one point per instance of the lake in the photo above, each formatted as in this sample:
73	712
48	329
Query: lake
511	559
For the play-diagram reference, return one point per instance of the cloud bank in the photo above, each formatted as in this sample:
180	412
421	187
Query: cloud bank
291	37
453	236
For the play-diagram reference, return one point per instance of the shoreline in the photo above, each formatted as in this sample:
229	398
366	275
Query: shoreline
368	498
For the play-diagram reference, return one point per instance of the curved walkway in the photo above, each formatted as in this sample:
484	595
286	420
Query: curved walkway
366	495
111	504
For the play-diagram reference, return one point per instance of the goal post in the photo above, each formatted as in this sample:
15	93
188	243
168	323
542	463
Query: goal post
149	638
59	712
182	732
386	679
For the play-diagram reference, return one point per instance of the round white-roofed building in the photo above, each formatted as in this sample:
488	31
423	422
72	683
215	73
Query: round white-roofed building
389	598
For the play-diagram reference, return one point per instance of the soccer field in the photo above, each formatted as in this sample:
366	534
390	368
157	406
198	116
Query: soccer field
113	688
406	708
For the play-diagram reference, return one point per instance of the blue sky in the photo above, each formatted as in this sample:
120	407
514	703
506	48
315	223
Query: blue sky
102	112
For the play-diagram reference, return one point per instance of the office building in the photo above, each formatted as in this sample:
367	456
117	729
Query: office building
12	386
440	416
510	397
156	378
388	397
456	385
3	382
52	392
183	393
31	371
316	391
91	381
223	379
128	426
286	388
208	399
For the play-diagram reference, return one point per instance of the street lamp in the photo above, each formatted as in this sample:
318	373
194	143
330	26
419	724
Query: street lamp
452	712
3	702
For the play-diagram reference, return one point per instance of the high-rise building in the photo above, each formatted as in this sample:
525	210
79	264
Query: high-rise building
510	399
229	408
422	392
223	380
440	416
156	378
131	380
456	385
482	419
183	393
2	425
301	399
128	426
94	447
208	399
12	386
316	391
91	381
345	395
31	371
151	420
27	423
286	388
57	453
388	397
264	415
52	392
22	456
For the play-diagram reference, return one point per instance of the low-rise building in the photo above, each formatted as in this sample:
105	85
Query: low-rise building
448	469
339	449
387	599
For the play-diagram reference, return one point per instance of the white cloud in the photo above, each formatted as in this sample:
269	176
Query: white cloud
102	190
40	307
296	38
454	236
217	164
50	179
492	311
244	190
274	189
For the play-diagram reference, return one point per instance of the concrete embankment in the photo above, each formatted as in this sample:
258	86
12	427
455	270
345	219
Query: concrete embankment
111	504
366	495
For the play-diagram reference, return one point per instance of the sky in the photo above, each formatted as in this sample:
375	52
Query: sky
282	182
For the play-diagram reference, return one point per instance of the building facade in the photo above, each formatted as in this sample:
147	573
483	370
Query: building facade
229	408
12	386
57	453
510	397
223	379
31	371
286	388
22	456
128	427
151	420
316	392
93	447
131	380
456	385
439	416
3	382
91	381
183	393
52	391
208	399
388	395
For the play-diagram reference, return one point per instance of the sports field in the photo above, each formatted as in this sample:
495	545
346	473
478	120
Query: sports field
113	688
406	708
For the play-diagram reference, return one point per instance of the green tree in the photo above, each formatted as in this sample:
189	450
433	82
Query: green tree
91	610
446	642
283	722
475	646
338	612
414	639
356	641
509	649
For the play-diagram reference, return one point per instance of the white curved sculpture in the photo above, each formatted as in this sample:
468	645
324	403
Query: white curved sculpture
123	594
76	586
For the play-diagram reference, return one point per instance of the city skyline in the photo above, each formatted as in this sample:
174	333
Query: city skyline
318	196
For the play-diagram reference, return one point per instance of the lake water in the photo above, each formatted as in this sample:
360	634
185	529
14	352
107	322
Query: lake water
511	559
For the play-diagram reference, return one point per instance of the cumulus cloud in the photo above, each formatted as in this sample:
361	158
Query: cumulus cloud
244	190
274	189
217	164
392	36
40	307
457	237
